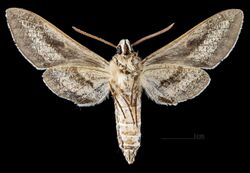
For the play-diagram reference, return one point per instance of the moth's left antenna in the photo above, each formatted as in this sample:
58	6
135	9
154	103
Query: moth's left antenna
93	36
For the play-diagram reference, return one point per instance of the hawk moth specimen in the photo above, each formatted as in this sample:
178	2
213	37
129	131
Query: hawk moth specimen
170	75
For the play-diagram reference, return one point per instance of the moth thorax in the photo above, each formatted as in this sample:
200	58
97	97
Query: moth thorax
124	47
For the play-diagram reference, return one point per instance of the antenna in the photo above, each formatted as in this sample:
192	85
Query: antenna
153	35
93	37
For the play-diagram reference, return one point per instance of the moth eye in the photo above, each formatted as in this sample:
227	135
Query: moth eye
118	50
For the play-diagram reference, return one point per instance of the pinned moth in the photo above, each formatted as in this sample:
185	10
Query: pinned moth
170	75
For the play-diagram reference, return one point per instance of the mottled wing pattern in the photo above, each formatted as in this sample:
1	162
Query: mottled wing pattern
44	45
169	84
204	46
85	86
173	74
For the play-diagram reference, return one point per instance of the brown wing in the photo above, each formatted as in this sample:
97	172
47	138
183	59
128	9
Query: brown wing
44	45
85	86
204	46
169	84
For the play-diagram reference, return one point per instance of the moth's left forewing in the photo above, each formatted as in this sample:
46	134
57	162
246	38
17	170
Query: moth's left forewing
44	45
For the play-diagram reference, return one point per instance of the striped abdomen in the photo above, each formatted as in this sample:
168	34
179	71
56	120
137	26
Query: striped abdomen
128	124
125	69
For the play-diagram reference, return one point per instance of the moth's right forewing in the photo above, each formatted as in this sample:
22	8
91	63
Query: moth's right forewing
83	85
44	45
205	45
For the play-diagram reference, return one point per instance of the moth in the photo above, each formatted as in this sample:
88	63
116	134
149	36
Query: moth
173	74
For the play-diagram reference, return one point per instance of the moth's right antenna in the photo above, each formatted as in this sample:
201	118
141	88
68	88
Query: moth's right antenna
153	35
93	36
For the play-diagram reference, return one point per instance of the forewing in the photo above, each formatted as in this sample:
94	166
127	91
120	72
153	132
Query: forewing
204	46
85	86
44	45
169	84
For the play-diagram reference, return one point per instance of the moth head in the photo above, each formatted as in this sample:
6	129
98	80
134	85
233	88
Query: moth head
124	47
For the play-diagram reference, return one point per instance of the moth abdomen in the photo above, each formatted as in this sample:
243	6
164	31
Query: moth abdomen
129	135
